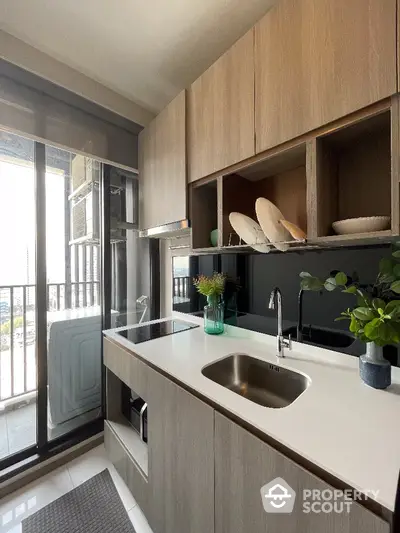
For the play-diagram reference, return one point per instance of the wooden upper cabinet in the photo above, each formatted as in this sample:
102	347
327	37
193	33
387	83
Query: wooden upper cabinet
162	166
221	112
318	60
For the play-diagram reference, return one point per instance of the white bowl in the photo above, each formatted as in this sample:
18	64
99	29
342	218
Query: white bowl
361	225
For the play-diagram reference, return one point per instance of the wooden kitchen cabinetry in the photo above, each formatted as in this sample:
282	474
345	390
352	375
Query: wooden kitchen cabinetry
346	169
172	476
162	167
244	464
317	61
221	112
353	176
181	459
125	448
201	472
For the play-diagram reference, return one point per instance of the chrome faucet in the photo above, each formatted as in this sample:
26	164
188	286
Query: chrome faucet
276	300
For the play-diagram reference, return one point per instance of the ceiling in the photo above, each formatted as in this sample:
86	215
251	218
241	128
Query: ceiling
145	50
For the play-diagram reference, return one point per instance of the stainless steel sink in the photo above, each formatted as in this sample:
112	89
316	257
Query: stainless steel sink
258	381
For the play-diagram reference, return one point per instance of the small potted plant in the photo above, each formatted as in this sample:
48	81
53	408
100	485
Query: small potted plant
375	319
212	287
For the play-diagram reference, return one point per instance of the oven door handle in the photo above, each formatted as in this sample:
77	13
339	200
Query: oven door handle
142	412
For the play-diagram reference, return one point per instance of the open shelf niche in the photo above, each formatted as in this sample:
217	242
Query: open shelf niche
127	436
282	179
203	213
349	169
353	175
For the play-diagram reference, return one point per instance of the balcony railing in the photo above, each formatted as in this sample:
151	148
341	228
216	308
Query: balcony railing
18	329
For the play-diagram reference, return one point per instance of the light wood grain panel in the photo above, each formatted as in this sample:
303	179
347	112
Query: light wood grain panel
318	60
113	395
181	460
221	112
162	166
353	173
243	464
364	182
372	237
203	213
240	195
327	198
126	367
288	191
311	177
126	468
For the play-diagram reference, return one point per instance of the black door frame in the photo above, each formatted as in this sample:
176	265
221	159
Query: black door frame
43	448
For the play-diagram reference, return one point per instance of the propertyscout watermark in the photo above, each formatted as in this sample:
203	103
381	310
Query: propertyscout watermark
279	497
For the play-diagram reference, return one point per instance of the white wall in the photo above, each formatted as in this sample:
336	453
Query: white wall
21	54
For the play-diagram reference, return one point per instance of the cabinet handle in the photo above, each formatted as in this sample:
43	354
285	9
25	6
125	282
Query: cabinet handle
142	412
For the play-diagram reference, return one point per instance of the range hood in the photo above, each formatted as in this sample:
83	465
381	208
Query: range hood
167	231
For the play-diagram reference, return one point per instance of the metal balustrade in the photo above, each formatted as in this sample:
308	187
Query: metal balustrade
18	328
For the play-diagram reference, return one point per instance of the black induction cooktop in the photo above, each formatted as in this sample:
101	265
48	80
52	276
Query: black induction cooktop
149	332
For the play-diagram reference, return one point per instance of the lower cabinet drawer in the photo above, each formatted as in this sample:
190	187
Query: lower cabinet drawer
126	467
128	368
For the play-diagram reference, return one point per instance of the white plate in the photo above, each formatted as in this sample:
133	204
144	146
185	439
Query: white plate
249	231
361	225
269	216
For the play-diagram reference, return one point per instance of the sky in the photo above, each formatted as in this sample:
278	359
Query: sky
17	225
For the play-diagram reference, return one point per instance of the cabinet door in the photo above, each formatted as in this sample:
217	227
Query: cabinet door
221	112
181	459
162	166
244	464
318	60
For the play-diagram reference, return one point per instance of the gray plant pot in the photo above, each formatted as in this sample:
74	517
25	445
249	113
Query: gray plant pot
375	370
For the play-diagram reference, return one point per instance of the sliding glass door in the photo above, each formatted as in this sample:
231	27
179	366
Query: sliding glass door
73	320
18	391
71	264
50	297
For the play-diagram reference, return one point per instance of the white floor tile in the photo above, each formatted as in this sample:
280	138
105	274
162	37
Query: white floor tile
88	465
29	499
94	462
16	529
124	493
139	521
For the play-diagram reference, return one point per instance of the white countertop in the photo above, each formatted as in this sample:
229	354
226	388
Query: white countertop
340	424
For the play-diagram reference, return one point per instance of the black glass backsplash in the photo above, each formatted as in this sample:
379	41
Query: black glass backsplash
258	274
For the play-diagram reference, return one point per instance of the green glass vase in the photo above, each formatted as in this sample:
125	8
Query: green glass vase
214	316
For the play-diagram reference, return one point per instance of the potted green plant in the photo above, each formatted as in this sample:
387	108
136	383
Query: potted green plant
375	319
212	287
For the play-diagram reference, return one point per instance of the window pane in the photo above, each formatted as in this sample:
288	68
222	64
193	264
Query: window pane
74	315
17	295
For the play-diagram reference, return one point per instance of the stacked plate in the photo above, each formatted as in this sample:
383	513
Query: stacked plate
271	230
